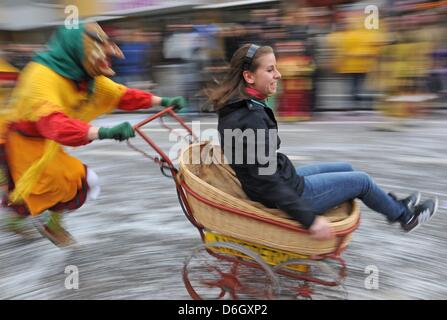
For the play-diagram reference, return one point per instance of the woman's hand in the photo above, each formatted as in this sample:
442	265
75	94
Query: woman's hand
321	229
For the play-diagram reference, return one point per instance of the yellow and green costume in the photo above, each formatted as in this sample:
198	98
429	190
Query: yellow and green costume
43	174
7	72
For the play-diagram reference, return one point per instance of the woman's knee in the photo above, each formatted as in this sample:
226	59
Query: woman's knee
364	176
365	180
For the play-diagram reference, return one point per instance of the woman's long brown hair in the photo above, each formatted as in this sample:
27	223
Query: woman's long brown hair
233	84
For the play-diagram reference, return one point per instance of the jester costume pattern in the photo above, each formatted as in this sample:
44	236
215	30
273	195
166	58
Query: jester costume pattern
57	94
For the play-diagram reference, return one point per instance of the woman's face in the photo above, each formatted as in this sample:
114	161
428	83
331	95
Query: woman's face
265	78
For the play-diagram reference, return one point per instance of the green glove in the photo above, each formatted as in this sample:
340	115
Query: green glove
120	132
178	102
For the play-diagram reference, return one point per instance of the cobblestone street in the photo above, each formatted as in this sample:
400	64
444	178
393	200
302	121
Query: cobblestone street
134	238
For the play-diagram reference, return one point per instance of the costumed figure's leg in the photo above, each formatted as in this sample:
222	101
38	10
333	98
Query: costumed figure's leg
50	226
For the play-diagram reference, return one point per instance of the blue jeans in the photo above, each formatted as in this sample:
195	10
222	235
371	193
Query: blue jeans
327	185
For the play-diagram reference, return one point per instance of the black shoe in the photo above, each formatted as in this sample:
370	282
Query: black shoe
411	201
421	214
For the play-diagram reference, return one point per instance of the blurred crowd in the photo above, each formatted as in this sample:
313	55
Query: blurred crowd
399	67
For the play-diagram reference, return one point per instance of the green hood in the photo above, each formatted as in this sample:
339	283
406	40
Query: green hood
65	53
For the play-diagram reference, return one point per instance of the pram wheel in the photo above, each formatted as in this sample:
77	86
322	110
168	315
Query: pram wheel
222	270
310	279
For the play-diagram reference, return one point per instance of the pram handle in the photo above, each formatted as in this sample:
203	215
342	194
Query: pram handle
165	158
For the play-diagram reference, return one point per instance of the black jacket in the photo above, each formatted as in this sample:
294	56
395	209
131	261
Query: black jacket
244	128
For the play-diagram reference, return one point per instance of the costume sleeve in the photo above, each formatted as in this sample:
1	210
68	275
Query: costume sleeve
64	130
106	97
9	76
134	99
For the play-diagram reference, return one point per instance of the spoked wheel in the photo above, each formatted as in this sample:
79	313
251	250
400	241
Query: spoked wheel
310	279
222	270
